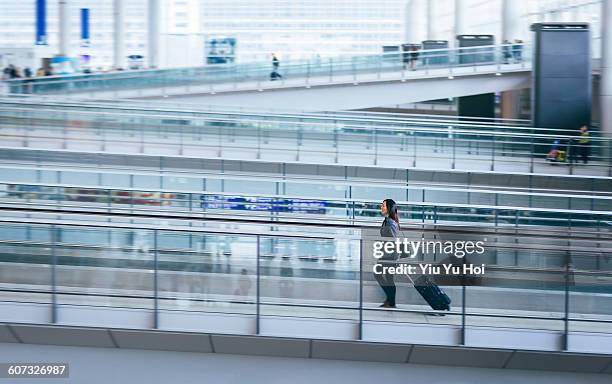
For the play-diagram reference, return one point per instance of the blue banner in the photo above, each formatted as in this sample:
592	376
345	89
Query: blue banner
85	27
41	22
265	204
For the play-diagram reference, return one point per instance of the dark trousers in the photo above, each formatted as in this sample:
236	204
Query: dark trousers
387	283
584	152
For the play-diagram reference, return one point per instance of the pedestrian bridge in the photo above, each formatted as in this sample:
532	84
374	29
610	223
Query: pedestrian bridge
324	84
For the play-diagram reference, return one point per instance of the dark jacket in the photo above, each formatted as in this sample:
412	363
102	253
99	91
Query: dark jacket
389	228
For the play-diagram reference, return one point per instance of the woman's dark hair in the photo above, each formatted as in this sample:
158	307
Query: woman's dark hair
392	210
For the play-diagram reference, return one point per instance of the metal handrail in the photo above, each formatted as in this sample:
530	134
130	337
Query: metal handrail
160	161
465	142
339	200
305	179
192	108
303	120
144	106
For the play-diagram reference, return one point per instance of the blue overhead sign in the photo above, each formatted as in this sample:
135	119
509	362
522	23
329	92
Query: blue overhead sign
85	42
262	204
41	22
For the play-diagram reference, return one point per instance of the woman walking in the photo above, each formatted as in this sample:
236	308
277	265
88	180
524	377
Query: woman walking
390	228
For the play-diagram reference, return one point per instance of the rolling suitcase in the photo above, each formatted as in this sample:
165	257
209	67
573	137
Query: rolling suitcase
434	296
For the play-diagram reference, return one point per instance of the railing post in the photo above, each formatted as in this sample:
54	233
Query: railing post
609	158
463	296
258	143
155	282
570	156
181	150
360	333
375	147
493	154
566	306
532	155
415	151
336	145
53	274
454	152
258	289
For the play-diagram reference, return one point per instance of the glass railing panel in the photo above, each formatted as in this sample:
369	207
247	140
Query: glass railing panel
207	272
105	267
590	301
26	256
298	277
525	298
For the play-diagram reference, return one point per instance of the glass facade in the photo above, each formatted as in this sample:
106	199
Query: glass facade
293	29
305	28
17	28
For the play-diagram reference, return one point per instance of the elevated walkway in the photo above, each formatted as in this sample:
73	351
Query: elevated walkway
418	144
313	86
77	273
292	197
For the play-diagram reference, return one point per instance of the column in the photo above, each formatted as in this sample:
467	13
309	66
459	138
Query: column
512	29
460	28
512	20
154	32
64	28
118	34
410	22
606	69
430	20
414	31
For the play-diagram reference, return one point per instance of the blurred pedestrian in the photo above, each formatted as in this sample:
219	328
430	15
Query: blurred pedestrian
275	62
507	51
414	57
583	144
517	50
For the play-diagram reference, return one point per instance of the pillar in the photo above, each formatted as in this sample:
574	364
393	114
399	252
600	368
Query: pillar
512	15
460	27
606	69
512	20
430	20
154	32
414	31
64	28
118	34
510	104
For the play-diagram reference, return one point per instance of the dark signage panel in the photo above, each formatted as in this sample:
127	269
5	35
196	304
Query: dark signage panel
562	84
